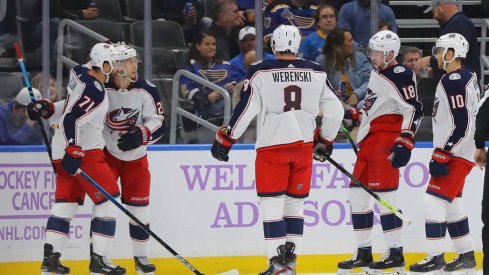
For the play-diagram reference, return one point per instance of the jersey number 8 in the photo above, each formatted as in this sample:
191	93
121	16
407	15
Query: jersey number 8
292	98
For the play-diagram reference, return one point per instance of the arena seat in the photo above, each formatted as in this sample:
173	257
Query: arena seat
11	85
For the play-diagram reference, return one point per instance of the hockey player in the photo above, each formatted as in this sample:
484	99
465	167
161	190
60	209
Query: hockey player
456	99
134	119
391	115
288	93
78	144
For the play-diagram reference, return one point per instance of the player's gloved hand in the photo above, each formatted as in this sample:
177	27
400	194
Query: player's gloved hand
354	115
133	138
401	151
439	162
222	144
323	148
40	108
73	159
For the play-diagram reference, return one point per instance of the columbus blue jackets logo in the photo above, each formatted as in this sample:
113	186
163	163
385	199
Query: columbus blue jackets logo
369	101
122	119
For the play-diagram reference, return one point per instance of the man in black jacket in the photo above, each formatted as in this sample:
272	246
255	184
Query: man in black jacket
192	20
480	159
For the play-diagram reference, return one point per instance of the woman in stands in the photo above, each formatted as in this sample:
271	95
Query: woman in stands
206	103
312	45
344	64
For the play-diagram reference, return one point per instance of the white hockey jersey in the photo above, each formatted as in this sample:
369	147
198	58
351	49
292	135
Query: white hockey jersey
391	103
139	104
288	94
454	110
83	116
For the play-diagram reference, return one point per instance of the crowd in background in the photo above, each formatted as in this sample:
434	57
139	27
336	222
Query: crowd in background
220	37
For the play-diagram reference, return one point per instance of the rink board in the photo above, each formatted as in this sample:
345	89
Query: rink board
207	210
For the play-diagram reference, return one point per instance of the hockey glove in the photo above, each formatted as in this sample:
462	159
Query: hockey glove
222	144
40	108
439	162
323	148
73	159
354	115
401	151
135	137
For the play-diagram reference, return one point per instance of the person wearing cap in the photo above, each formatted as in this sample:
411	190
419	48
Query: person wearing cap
312	45
452	20
15	126
247	36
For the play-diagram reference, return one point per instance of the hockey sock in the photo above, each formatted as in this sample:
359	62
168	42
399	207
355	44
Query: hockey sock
458	227
362	225
294	219
140	240
139	237
392	228
362	216
103	231
274	225
57	230
435	223
391	224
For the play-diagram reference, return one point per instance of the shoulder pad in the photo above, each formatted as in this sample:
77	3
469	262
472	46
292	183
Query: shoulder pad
150	84
399	69
97	85
455	76
257	62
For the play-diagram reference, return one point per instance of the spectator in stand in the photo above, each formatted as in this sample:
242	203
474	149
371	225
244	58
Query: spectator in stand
58	10
452	20
385	26
227	20
192	21
247	43
207	104
355	16
36	82
343	63
312	45
299	13
15	126
410	56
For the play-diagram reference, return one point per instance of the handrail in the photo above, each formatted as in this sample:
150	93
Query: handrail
427	3
3	9
483	57
428	24
176	110
63	59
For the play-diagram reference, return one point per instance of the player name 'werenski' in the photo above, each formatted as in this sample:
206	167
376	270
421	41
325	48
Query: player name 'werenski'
292	77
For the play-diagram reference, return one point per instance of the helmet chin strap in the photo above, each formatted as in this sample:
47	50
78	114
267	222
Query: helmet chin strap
446	62
387	62
125	76
107	75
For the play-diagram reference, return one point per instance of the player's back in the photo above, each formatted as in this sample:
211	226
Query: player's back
454	109
82	121
290	93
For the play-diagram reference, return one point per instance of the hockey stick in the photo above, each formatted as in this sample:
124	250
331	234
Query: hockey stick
394	210
350	139
33	99
146	228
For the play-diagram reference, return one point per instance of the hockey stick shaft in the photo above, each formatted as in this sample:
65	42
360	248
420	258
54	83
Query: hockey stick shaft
391	208
350	139
136	220
33	99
